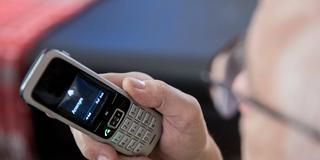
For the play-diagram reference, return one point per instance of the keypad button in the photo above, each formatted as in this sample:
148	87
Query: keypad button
140	132
126	124
138	148
152	124
116	118
146	119
131	145
147	137
133	128
124	141
140	115
117	138
133	111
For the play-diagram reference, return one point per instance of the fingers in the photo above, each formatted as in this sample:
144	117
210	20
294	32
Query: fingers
117	78
161	96
92	149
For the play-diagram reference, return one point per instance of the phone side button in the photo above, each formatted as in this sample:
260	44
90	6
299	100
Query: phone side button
66	53
154	136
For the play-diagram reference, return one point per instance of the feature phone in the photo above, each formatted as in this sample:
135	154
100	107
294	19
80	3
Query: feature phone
77	96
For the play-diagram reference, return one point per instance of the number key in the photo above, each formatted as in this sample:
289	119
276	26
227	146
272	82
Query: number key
147	137
138	148
133	128
124	141
153	123
126	124
117	138
133	111
131	145
140	132
140	115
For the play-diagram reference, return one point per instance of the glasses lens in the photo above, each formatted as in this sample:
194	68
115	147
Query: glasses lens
224	102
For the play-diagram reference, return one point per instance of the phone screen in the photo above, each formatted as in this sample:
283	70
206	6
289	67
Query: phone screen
76	95
83	100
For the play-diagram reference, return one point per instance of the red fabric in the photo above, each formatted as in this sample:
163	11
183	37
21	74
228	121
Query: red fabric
22	24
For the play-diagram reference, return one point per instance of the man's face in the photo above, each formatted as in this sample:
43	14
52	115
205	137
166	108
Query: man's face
280	49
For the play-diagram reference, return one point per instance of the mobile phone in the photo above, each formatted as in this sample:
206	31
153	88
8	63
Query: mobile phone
77	96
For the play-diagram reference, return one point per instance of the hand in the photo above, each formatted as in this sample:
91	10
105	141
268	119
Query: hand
184	135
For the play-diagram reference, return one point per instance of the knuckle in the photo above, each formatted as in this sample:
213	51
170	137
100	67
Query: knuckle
140	75
160	85
194	109
192	100
161	89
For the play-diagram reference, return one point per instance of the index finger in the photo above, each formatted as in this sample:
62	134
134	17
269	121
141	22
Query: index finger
117	78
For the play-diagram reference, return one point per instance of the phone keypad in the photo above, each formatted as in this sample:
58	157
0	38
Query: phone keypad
136	131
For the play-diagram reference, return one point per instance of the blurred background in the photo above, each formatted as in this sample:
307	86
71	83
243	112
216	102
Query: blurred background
171	40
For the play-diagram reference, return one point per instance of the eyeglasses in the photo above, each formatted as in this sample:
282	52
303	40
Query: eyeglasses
226	101
225	66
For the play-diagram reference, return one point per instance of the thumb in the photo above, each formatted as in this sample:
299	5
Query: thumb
164	98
